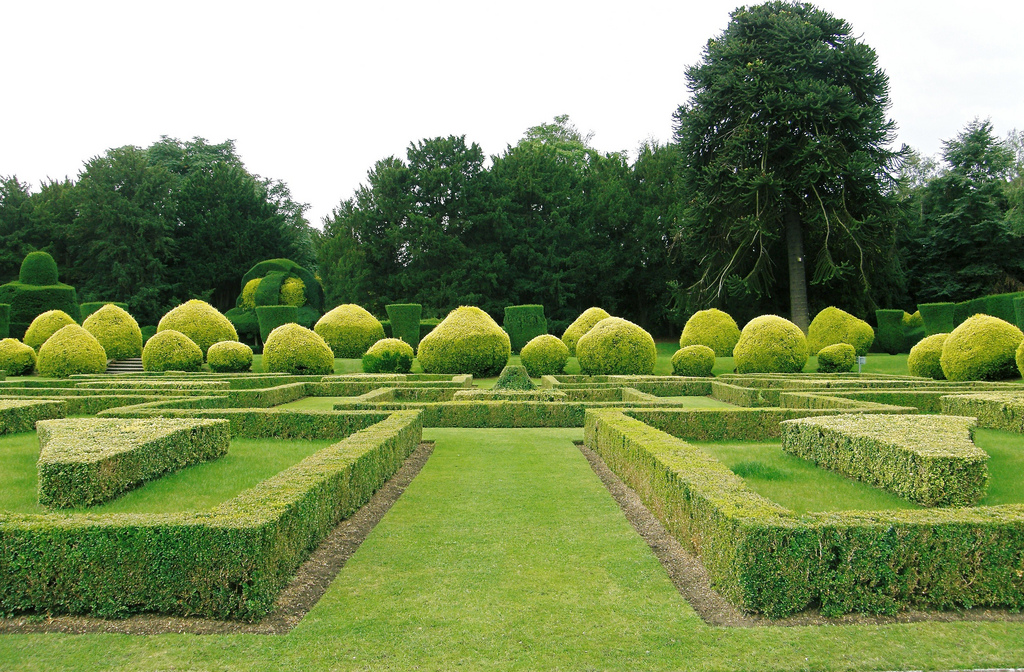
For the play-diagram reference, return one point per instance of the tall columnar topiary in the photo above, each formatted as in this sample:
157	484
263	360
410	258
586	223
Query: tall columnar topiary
466	341
16	358
277	282
45	325
201	322
545	355
272	317
890	331
71	351
229	357
171	350
292	348
350	330
939	318
982	348
615	346
523	324
405	322
116	330
694	360
388	355
770	344
712	327
36	291
836	358
925	357
833	325
581	325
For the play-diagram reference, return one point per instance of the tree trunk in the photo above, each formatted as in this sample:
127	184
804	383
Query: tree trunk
797	271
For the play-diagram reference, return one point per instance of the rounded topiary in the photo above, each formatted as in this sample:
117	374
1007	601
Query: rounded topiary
981	348
292	348
171	350
514	377
16	358
615	346
545	355
248	299
38	268
70	351
293	293
201	322
350	330
229	357
466	341
770	344
44	326
694	360
116	330
712	327
389	355
580	326
838	358
833	325
924	357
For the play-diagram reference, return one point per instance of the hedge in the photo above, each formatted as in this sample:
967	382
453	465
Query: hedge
291	348
693	360
890	331
5	320
16	358
713	328
837	358
90	307
523	324
85	404
28	301
229	357
404	319
512	395
18	415
994	410
272	317
615	346
938	317
170	350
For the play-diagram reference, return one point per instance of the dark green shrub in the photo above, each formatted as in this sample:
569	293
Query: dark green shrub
545	355
838	358
770	344
466	341
16	358
268	290
982	348
514	377
170	350
28	300
314	291
913	330
5	320
90	307
405	322
713	328
246	323
939	318
202	323
229	357
427	326
924	357
38	268
147	333
389	355
1018	311
694	360
116	330
71	350
890	331
1001	306
580	326
833	325
294	349
272	317
523	324
350	330
615	346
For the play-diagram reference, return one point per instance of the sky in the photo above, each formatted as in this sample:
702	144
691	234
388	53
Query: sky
313	93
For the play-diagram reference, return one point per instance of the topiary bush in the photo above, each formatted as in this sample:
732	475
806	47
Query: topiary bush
38	268
838	358
28	298
71	351
523	324
615	346
90	307
466	341
201	322
116	330
939	318
770	344
248	298
545	355
350	330
272	317
405	321
712	327
924	357
229	357
891	330
44	326
982	348
5	320
833	325
580	326
388	355
292	348
694	360
16	358
514	377
293	293
170	350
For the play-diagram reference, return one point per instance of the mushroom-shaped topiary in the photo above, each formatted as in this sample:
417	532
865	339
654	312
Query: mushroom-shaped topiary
514	377
388	355
615	346
70	351
466	341
580	326
229	357
695	360
201	322
924	357
770	344
713	328
837	358
16	358
292	348
350	330
171	350
38	268
833	325
44	326
116	330
545	355
981	348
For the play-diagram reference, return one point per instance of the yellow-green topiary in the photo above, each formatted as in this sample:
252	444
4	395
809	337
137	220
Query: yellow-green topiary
713	328
833	325
71	351
171	350
293	293
292	348
695	360
229	357
770	344
580	326
981	348
388	355
545	355
925	355
249	294
116	330
466	341
615	346
16	358
350	330
44	326
913	321
201	322
836	358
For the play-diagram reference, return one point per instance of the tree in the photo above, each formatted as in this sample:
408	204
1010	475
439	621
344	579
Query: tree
786	152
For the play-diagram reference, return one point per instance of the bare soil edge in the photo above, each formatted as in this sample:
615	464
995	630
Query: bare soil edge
305	589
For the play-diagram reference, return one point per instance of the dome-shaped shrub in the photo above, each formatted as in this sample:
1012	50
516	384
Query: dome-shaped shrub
171	350
466	341
229	357
248	300
292	348
981	348
44	326
545	355
580	326
389	355
293	293
694	360
833	325
350	330
38	268
16	358
201	322
924	357
770	344
116	330
713	328
514	377
72	350
837	358
615	346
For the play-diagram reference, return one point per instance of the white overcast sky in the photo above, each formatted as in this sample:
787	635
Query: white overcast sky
314	93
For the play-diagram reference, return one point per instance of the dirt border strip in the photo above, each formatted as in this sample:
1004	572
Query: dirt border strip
691	579
305	589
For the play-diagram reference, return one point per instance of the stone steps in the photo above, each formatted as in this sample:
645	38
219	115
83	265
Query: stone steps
131	365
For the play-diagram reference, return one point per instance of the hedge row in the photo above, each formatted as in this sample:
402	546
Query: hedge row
510	395
87	404
18	415
993	410
147	385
